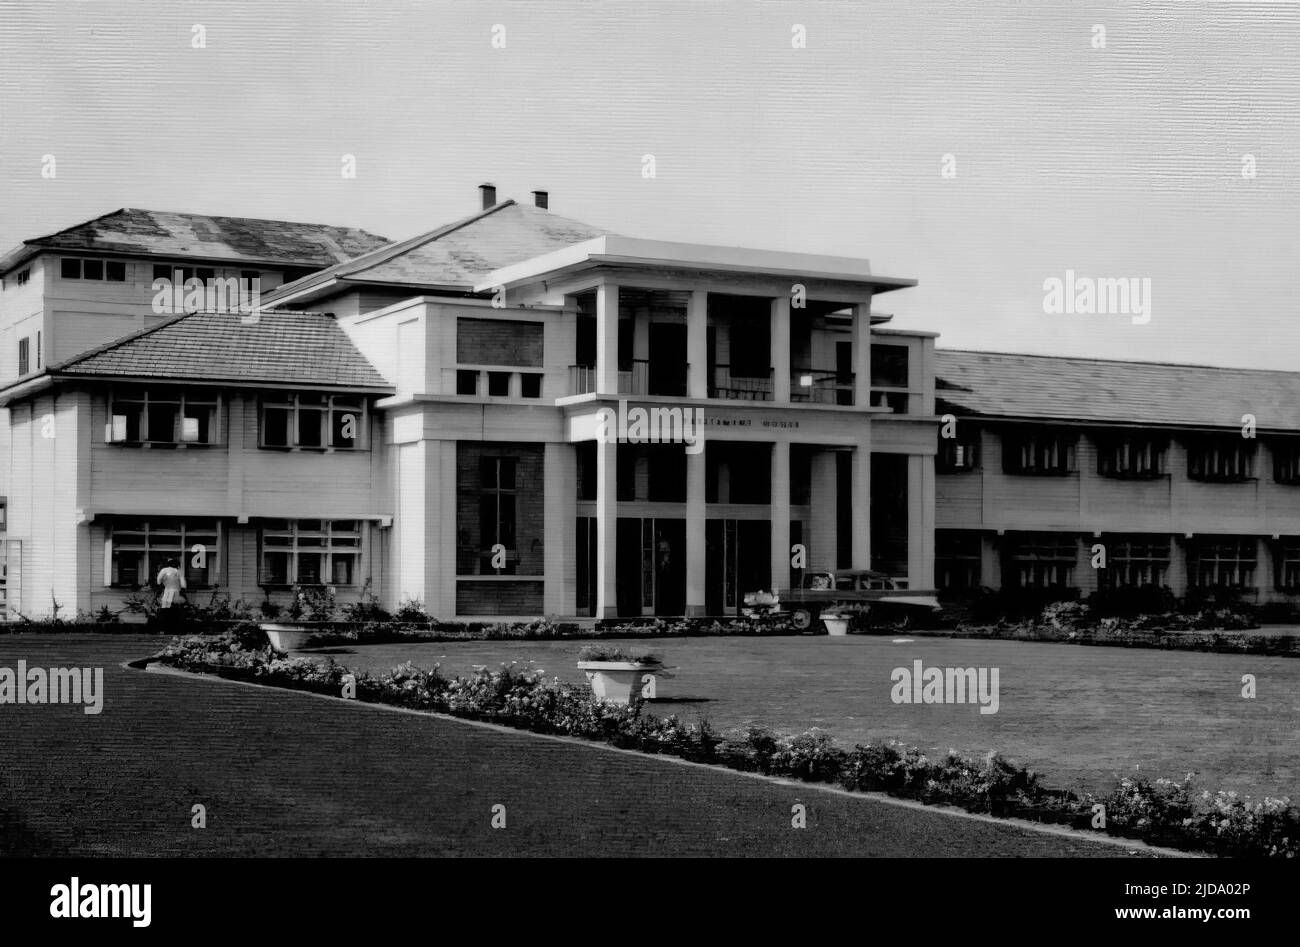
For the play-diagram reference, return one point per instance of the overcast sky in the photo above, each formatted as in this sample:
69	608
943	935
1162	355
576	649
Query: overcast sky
1122	161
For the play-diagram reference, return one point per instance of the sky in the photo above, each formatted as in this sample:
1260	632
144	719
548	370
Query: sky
982	148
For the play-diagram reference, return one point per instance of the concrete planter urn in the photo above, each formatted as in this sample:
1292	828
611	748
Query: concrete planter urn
837	623
617	681
293	636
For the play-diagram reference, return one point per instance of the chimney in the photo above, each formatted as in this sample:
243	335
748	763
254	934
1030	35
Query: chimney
489	193
541	199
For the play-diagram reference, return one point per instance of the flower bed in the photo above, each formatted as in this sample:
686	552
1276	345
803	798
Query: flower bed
1163	812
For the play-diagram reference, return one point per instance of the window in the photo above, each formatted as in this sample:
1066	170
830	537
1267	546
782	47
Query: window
888	366
24	277
1286	462
161	417
85	268
23	366
1042	560
313	422
1223	461
498	384
310	552
1135	561
961	453
530	385
38	351
1038	454
1222	562
1130	458
140	549
1288	564
497	513
466	381
4	514
956	559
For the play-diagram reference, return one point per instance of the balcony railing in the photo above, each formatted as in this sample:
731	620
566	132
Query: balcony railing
726	384
637	381
582	379
819	386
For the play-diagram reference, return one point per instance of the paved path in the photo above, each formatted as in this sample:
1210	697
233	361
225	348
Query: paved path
283	773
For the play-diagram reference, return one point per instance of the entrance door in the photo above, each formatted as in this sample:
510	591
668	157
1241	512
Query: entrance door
670	567
667	370
628	559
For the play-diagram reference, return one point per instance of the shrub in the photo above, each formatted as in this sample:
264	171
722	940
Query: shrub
1131	601
412	612
366	608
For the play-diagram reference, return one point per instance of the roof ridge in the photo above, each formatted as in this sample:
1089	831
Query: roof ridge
393	250
1116	361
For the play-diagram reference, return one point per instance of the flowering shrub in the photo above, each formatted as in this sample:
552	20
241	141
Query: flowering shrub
1162	811
600	652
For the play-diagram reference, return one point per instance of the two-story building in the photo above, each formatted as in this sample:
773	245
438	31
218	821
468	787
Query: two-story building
1079	474
433	418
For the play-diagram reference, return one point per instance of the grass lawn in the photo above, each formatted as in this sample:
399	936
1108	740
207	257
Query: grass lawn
285	773
1080	715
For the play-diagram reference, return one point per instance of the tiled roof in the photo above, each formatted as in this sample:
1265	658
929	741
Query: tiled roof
237	239
457	254
1087	389
291	348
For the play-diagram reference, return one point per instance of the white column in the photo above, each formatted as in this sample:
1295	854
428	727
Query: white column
780	324
824	513
860	483
862	355
780	513
696	516
697	344
606	528
559	528
920	521
607	340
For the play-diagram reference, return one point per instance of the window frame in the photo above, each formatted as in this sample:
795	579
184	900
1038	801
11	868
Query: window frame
1196	556
958	455
294	404
302	542
187	528
1127	555
1245	453
1035	446
143	397
1132	457
495	491
1042	554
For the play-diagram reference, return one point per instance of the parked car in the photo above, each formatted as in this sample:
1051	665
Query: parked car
876	596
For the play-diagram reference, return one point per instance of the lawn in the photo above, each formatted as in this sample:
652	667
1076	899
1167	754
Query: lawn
1080	715
286	773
